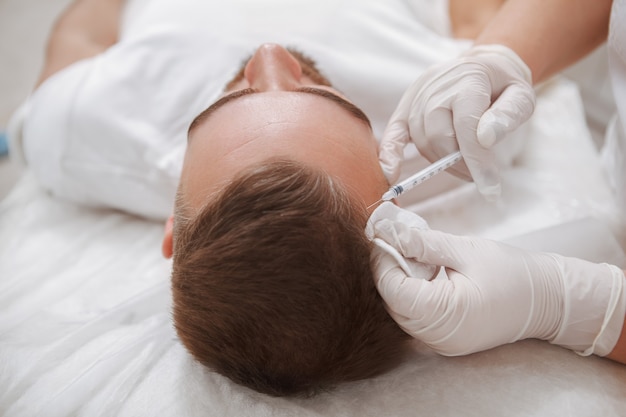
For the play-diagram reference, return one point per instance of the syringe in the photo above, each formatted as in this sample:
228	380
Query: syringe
416	179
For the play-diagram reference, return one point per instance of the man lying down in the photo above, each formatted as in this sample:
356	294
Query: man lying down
269	178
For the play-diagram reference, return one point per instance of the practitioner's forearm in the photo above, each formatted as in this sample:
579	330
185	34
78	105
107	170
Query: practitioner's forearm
549	35
469	17
86	28
619	351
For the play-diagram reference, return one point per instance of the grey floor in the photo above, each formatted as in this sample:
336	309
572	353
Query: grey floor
24	27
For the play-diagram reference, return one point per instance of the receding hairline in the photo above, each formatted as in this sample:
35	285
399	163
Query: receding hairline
352	109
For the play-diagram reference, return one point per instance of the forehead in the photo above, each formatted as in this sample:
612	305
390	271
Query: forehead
279	119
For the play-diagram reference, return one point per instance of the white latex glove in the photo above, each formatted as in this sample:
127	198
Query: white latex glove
494	294
467	104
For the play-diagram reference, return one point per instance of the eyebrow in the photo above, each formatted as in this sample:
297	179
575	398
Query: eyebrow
345	104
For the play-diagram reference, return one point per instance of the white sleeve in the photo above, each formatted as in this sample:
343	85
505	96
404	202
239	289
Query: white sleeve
82	134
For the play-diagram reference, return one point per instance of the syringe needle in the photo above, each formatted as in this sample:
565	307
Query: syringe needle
372	205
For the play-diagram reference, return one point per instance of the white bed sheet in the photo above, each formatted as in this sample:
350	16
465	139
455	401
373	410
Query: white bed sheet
85	324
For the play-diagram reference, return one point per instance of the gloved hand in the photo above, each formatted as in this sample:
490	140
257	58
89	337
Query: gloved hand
467	104
495	294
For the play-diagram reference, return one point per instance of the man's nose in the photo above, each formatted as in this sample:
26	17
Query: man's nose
272	67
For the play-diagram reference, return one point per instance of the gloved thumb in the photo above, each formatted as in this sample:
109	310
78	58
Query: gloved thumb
512	108
482	166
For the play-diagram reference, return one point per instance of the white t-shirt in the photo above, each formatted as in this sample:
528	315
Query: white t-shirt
111	130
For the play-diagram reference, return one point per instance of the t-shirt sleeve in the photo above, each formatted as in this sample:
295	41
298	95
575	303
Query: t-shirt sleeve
89	136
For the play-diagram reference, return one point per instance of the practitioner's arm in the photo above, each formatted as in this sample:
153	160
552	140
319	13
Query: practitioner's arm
86	28
468	18
549	34
619	351
482	95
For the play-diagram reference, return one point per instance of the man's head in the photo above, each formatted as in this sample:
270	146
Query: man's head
271	281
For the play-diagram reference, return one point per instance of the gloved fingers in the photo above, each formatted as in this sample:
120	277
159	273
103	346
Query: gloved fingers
407	297
427	246
382	262
479	160
512	108
391	150
434	136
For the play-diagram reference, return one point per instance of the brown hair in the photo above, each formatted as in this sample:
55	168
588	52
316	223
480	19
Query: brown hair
272	284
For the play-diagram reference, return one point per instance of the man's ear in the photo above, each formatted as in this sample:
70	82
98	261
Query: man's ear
167	247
